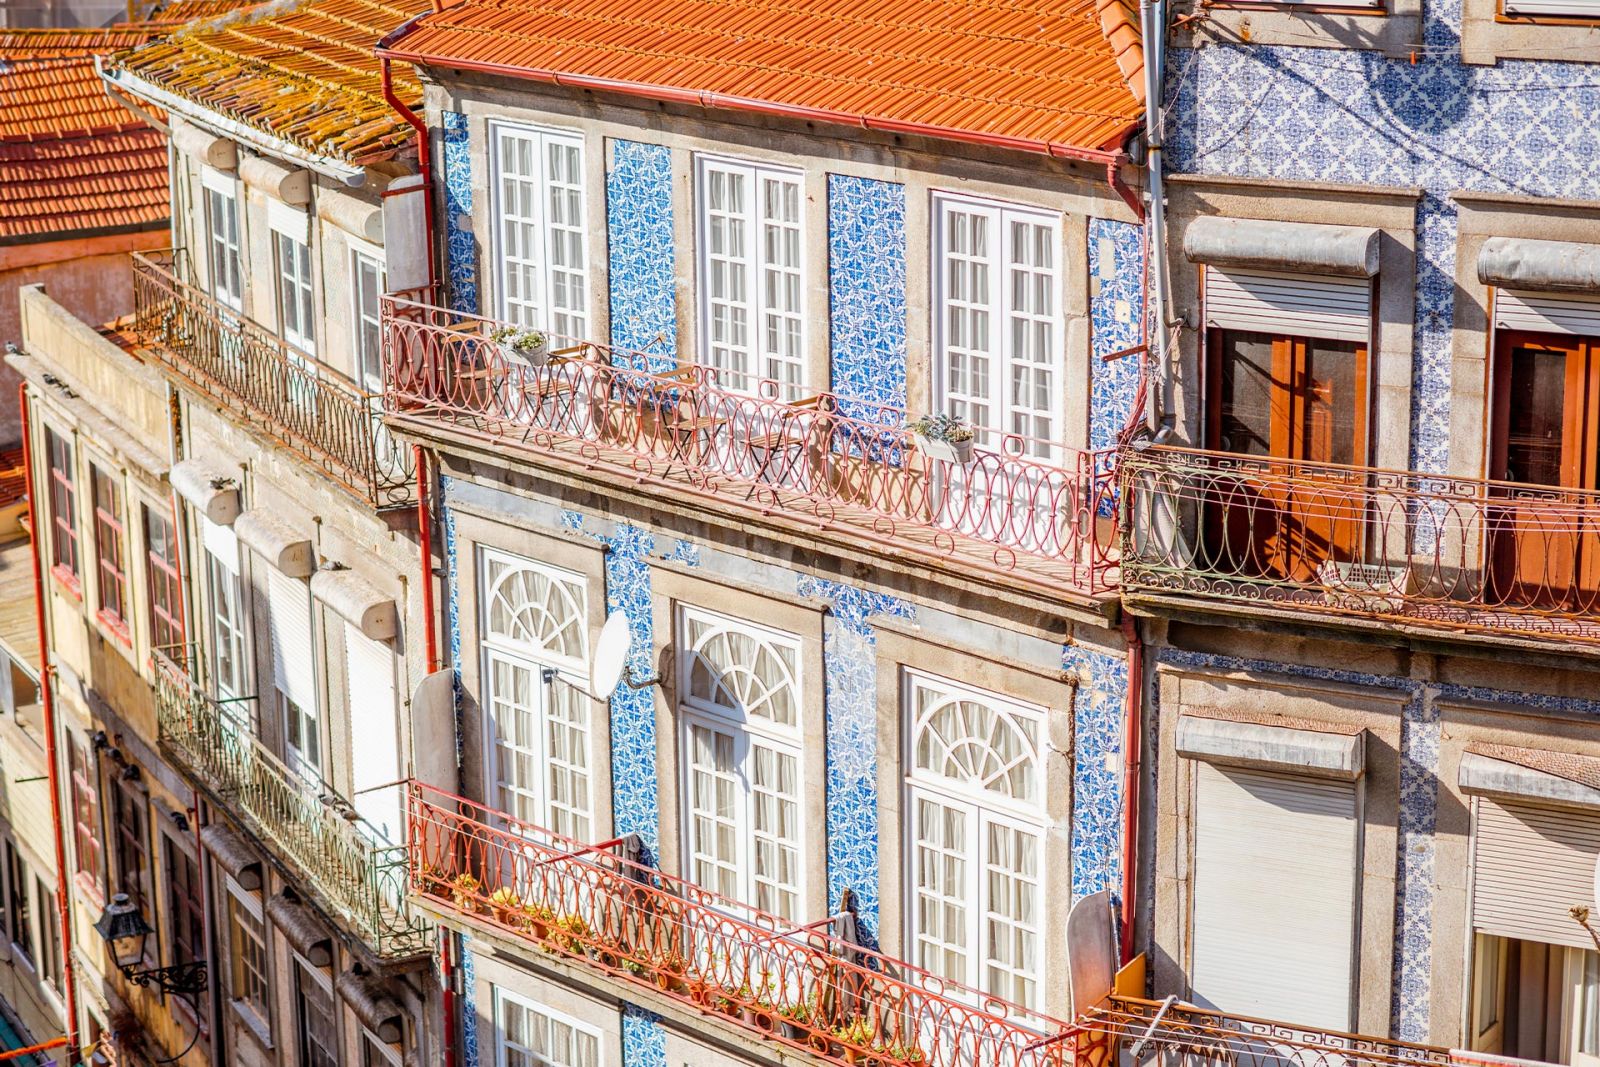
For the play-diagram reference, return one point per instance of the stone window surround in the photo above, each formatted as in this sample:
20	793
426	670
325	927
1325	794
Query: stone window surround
1393	211
900	648
1393	28
1376	711
1051	185
794	615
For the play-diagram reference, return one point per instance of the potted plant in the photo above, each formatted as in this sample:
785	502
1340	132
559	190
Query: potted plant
669	977
463	892
570	934
540	918
504	904
795	1019
524	347
856	1038
944	437
758	1005
903	1054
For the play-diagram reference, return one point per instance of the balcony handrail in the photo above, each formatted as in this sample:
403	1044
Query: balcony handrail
305	405
814	990
346	860
1434	550
1037	510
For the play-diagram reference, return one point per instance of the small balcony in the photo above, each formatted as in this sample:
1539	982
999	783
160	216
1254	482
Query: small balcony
303	406
1030	512
345	866
1429	553
806	987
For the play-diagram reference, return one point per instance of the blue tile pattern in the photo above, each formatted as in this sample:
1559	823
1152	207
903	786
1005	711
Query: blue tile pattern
644	1042
850	671
1097	728
1116	309
639	238
867	289
461	247
469	1005
452	602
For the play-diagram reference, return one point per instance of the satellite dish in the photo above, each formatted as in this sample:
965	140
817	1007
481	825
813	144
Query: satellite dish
610	657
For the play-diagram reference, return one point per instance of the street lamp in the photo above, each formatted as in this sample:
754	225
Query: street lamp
124	931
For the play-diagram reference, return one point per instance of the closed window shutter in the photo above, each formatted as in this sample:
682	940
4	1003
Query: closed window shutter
374	739
293	669
222	543
1531	863
1297	305
1275	864
1584	9
1564	313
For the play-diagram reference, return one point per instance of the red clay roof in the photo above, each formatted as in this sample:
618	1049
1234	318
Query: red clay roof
44	44
73	160
1042	75
13	477
304	73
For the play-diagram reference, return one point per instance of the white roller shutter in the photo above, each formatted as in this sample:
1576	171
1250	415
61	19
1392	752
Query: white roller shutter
1565	313
1300	305
222	543
374	736
1530	864
293	666
1275	866
1580	9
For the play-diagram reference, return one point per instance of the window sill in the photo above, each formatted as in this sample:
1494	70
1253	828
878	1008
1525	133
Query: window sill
252	1023
88	890
116	626
68	582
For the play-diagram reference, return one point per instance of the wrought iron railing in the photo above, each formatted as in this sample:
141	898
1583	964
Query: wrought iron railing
1033	510
805	986
346	865
300	404
1459	554
1136	1032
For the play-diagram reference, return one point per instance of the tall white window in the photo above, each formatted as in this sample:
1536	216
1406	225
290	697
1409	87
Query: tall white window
230	654
294	675
366	286
538	205
292	261
998	320
741	763
222	238
975	793
531	1035
534	654
750	275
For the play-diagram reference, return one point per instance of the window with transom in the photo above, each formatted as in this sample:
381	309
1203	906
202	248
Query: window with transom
63	507
531	1035
538	715
976	837
741	744
751	311
222	240
247	940
997	320
161	580
109	551
538	206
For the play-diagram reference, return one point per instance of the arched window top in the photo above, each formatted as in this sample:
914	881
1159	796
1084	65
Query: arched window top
741	669
976	740
540	608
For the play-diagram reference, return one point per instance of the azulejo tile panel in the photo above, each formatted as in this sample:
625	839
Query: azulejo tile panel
867	289
639	239
644	1042
1116	309
470	1054
1096	778
452	603
461	247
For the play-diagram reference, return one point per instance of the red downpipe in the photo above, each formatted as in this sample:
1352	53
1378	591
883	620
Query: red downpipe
47	700
1132	736
425	537
448	983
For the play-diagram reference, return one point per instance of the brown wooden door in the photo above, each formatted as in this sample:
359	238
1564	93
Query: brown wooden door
1546	544
1302	401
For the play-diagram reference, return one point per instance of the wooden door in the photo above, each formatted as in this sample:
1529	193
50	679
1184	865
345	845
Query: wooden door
1302	401
1546	545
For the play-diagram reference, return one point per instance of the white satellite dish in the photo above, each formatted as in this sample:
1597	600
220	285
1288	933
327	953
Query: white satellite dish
610	657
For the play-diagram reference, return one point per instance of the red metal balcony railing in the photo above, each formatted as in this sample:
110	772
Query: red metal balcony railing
1032	510
801	986
298	403
1458	554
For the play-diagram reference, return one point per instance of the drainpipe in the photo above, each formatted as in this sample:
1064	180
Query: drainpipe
425	537
1159	419
1132	742
447	982
47	701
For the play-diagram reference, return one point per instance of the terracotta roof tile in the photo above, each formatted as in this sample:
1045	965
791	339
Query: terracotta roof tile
1046	75
304	73
44	44
13	477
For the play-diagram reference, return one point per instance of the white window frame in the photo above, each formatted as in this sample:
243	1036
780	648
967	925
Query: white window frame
503	996
368	366
235	633
223	247
1001	354
982	809
537	661
292	271
747	732
744	367
299	964
538	310
240	897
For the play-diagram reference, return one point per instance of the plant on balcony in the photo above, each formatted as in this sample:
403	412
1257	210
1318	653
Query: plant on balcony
903	1054
464	892
522	347
944	437
857	1039
505	905
538	919
571	934
733	1003
670	975
798	1019
758	1004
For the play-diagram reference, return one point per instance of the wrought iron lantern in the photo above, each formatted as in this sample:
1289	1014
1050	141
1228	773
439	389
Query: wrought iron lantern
125	932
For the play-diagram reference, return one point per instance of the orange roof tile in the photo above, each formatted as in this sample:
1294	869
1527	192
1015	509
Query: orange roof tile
1031	74
305	73
73	159
44	44
13	477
